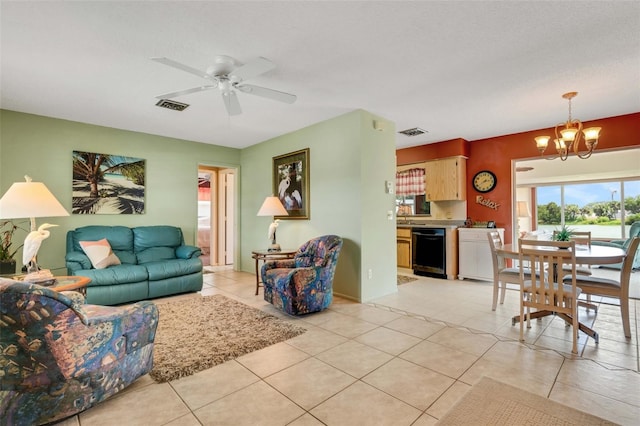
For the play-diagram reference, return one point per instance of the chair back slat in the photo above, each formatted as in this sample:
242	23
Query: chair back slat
495	243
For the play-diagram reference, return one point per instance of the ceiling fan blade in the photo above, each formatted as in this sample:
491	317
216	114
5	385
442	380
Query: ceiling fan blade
267	93
185	92
252	69
183	67
231	102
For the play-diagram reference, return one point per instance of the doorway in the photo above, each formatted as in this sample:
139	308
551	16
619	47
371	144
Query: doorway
215	221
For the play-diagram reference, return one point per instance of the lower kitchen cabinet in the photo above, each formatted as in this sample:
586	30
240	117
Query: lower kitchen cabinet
403	241
474	253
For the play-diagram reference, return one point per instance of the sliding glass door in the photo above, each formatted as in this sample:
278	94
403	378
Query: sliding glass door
607	209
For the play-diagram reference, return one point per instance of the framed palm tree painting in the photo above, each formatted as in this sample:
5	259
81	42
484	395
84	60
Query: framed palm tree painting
107	184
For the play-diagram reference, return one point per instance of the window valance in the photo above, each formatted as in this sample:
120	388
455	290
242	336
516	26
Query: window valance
410	182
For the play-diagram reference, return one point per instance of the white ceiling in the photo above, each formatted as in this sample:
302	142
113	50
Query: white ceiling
457	69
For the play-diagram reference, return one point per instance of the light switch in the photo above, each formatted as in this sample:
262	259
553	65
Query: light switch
389	187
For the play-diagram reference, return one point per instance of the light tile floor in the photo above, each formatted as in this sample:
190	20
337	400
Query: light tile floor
403	359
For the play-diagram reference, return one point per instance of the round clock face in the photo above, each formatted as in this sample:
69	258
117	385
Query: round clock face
484	181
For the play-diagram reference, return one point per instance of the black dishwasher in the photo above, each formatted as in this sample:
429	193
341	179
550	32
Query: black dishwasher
429	254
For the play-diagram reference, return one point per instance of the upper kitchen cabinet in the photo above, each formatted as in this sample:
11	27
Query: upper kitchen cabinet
445	179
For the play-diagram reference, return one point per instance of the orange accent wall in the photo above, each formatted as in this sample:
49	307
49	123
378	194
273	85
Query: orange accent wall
496	154
417	154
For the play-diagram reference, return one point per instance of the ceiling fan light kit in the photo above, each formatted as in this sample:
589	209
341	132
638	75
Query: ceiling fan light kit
228	75
570	136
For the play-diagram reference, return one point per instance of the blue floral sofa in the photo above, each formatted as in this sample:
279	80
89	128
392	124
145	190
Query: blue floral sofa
59	356
154	262
303	284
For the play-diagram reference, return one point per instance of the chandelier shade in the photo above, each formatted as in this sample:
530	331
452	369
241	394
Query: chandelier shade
569	136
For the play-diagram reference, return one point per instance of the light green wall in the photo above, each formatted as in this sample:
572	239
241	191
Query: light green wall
379	254
41	147
349	164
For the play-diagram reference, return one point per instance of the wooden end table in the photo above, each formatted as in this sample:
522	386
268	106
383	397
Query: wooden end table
266	255
65	283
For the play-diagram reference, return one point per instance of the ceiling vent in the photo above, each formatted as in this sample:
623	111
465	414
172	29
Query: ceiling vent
413	132
176	106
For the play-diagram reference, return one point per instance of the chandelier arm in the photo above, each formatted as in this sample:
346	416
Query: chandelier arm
584	156
564	154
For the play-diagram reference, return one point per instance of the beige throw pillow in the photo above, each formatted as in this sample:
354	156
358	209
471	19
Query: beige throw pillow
99	253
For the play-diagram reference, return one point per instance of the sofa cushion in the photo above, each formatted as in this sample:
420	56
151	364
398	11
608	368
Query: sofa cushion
99	253
172	268
155	254
115	275
145	237
120	237
126	257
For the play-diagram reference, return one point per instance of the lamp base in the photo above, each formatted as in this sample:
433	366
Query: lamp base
274	248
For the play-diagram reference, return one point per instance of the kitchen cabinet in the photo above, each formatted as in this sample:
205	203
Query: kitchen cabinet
403	241
445	179
474	253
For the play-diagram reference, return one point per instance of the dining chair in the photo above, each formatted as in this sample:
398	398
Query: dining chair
613	288
549	292
502	274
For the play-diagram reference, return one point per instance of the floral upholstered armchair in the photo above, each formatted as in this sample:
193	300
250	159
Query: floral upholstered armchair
59	356
303	284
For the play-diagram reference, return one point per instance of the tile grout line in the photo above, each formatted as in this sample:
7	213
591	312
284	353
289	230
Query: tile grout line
532	346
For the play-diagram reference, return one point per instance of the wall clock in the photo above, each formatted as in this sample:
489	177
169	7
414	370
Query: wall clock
484	181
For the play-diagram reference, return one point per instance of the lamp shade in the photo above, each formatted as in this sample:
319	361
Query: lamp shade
272	207
30	199
523	209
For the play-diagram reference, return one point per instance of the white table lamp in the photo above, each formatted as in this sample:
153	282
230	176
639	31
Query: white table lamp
273	207
30	200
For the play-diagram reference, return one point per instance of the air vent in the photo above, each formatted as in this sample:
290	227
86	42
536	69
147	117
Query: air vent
413	132
176	106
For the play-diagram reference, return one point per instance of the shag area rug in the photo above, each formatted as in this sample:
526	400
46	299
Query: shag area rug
403	279
199	332
490	402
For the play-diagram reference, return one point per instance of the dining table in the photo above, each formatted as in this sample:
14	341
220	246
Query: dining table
587	255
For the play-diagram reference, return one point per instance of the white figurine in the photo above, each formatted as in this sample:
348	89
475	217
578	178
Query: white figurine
272	230
32	244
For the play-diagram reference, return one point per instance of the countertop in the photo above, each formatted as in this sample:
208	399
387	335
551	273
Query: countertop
451	224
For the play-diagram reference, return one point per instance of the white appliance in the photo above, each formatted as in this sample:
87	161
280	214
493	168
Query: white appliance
474	253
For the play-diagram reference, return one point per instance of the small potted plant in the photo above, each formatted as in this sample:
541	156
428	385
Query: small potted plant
563	234
7	252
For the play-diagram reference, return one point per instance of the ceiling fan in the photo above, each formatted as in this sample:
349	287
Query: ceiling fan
228	75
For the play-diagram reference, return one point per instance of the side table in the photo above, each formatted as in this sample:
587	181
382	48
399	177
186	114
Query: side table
65	283
266	255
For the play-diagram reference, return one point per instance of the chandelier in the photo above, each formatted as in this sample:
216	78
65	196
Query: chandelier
568	136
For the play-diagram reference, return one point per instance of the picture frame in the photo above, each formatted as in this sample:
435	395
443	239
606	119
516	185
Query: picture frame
491	224
291	183
107	184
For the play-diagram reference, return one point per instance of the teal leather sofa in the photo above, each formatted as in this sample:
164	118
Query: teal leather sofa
155	262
